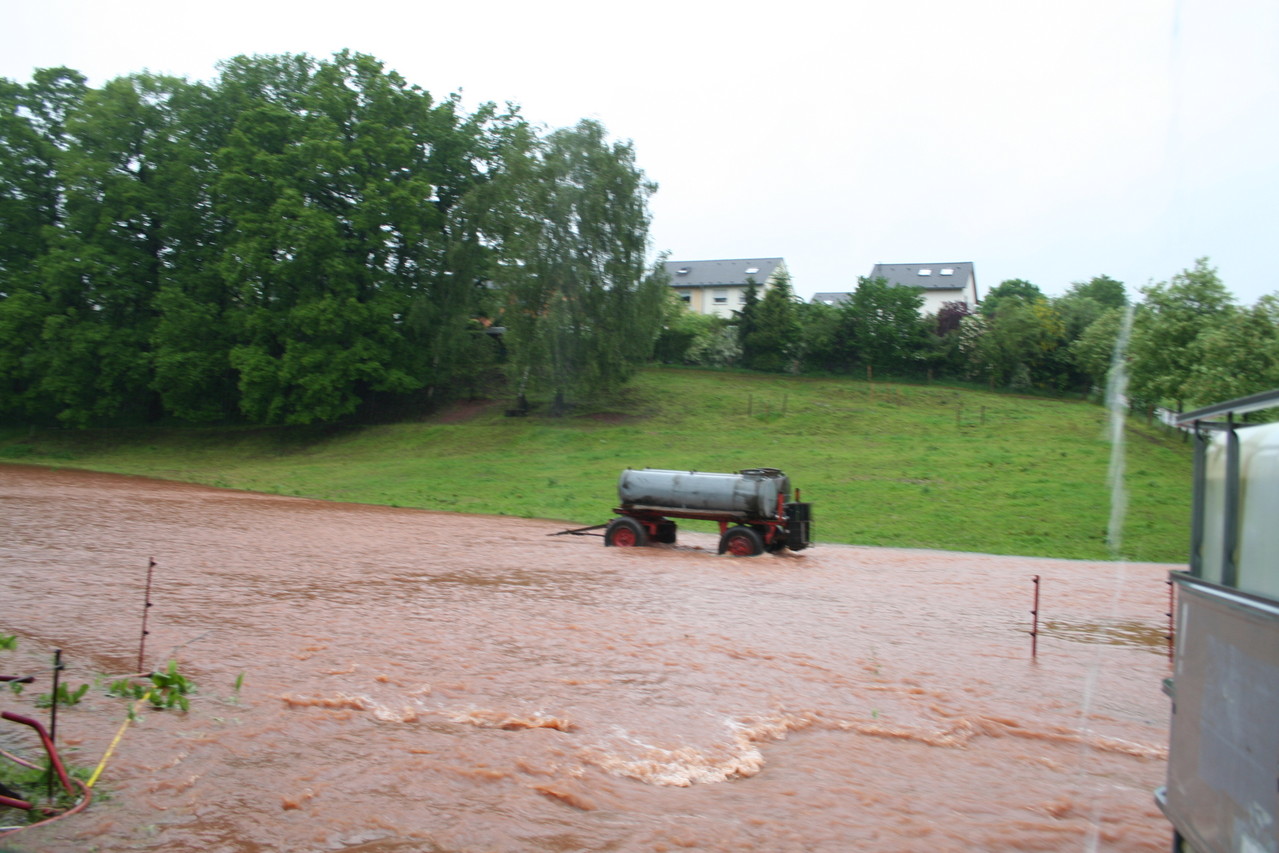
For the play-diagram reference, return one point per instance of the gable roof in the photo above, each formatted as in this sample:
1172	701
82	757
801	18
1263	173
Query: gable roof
721	273
952	276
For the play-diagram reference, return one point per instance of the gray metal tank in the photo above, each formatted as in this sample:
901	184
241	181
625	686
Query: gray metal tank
751	493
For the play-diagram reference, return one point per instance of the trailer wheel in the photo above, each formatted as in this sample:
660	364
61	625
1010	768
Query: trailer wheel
625	532
741	541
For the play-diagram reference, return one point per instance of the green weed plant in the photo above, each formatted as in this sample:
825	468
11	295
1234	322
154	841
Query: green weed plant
163	690
62	696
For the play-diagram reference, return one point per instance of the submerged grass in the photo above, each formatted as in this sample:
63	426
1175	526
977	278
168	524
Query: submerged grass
886	464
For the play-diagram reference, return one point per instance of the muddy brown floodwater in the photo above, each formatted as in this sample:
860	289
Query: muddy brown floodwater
416	681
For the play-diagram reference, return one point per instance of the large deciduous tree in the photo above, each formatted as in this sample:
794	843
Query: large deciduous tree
888	332
1009	291
1169	321
1237	357
33	135
583	307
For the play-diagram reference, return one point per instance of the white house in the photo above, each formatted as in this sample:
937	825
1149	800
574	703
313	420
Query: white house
940	283
719	287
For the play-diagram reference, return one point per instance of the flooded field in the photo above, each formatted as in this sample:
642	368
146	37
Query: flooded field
416	681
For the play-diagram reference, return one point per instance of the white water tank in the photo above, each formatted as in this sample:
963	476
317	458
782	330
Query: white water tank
752	493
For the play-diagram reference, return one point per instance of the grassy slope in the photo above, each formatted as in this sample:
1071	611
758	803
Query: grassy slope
885	464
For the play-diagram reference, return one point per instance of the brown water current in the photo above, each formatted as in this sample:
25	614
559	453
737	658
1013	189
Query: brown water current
416	681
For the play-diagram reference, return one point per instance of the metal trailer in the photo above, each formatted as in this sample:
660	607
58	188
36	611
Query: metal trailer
1222	791
752	507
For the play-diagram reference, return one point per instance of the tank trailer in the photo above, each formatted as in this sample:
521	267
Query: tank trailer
753	509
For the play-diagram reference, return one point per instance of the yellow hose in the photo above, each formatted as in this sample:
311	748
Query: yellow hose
116	740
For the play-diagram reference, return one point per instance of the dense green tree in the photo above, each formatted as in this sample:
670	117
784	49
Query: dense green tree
355	254
1102	289
1173	315
308	182
1008	291
825	338
1021	346
33	133
33	136
130	223
1237	357
1092	352
773	342
887	331
746	320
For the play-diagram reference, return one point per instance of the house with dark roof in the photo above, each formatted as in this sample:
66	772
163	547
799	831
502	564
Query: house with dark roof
940	283
719	287
837	298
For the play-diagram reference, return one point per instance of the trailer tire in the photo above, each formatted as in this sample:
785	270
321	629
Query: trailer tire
625	532
741	541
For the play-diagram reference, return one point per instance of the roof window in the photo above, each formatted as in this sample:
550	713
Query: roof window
948	271
752	270
682	271
925	271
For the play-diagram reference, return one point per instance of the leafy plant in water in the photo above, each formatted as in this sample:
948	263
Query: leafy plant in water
234	698
63	696
171	688
168	689
127	688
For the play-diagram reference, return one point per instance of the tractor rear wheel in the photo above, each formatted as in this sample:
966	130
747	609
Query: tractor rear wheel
741	541
625	532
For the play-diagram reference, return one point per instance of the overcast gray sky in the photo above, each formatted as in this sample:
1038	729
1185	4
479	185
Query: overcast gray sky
1050	141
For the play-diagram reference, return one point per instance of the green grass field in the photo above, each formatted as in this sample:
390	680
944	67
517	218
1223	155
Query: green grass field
884	464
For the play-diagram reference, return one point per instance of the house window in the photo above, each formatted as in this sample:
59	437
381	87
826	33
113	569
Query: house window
685	297
721	297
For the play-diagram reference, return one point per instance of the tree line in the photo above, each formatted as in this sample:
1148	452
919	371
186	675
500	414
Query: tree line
1191	343
301	239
